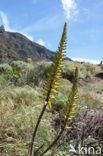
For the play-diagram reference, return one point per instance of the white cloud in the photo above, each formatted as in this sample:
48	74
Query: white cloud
28	36
86	60
5	22
70	8
41	42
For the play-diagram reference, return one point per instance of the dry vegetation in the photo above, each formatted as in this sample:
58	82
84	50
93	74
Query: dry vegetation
20	105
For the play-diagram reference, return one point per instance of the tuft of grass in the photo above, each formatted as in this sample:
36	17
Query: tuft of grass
102	66
21	107
90	99
3	82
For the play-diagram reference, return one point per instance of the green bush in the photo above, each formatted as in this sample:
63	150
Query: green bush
25	73
34	74
37	74
21	66
11	73
5	68
85	70
13	76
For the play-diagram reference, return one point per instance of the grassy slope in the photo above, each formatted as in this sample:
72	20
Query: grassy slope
19	110
20	107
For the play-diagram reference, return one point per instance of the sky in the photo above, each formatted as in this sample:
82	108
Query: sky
42	22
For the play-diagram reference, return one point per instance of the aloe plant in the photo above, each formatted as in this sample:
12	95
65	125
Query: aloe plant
50	89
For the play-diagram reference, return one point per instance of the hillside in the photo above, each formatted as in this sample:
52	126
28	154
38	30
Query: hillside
20	106
15	46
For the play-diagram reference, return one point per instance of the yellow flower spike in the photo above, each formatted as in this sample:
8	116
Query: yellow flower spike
59	70
63	55
41	97
68	128
52	97
57	78
71	113
55	87
65	116
58	75
52	78
54	75
46	89
74	104
54	91
70	118
49	104
45	102
70	108
73	109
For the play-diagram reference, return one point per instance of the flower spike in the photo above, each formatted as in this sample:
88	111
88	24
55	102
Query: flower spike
71	103
55	72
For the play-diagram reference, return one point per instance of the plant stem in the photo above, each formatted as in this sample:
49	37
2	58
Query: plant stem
35	130
55	148
53	143
56	139
38	149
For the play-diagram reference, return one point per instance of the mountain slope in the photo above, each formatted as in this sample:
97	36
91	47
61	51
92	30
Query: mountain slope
15	46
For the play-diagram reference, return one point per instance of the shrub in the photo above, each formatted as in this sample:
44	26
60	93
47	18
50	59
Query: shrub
5	68
21	66
87	124
68	70
85	70
38	73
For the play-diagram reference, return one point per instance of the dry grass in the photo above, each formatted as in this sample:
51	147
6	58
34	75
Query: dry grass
19	110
